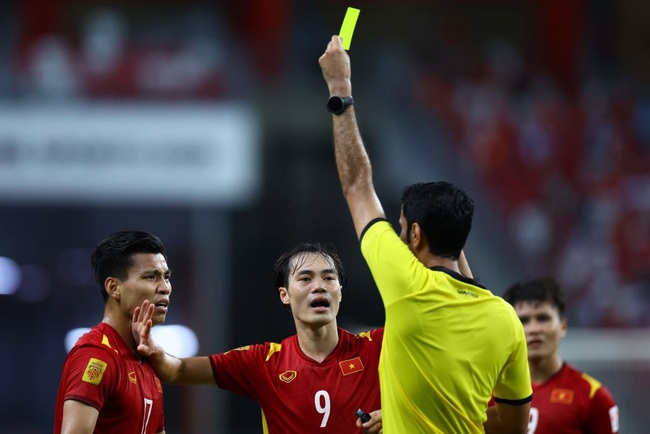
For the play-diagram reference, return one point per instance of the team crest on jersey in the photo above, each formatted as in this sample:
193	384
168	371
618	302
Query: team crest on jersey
132	378
562	396
288	376
94	371
351	366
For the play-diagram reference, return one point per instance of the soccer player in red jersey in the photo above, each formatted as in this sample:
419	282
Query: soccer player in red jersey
565	400
106	386
311	382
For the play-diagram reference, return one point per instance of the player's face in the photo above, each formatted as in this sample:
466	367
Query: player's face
543	327
148	279
314	291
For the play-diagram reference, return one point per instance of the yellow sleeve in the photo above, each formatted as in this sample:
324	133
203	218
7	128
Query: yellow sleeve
513	384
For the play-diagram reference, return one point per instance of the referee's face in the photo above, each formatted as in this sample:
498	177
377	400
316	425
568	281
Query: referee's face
314	292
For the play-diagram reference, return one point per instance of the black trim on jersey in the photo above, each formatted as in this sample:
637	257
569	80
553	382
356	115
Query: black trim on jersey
514	401
457	276
452	273
370	223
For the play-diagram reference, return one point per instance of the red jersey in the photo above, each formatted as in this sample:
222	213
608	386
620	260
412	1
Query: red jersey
298	394
102	371
571	402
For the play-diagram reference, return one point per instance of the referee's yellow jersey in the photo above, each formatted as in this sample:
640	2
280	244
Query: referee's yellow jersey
449	343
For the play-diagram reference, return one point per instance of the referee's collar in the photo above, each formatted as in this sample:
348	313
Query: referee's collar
457	276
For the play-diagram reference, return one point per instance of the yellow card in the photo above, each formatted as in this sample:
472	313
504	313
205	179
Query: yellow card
347	28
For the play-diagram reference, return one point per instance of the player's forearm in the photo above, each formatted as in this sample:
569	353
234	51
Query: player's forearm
167	367
512	421
189	370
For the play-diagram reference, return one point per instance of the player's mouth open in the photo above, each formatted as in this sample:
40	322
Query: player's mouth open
162	306
320	304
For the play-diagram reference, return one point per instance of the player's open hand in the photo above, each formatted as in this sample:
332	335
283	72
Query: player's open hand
141	328
373	426
335	65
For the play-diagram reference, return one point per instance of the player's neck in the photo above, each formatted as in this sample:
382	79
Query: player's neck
318	343
543	369
123	328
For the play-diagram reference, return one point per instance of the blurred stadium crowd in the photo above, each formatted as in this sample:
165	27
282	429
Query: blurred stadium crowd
564	152
569	171
559	134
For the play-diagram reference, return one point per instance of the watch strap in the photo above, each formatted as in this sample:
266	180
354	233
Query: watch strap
337	104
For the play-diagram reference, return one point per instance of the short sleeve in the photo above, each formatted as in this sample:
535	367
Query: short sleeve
90	375
238	370
603	413
513	385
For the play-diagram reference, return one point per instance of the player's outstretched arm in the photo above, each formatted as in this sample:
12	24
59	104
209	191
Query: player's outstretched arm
507	419
352	162
170	369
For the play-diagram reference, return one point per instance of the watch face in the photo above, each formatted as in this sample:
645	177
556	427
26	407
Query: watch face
335	104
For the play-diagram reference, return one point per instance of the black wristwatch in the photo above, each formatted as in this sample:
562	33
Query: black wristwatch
337	104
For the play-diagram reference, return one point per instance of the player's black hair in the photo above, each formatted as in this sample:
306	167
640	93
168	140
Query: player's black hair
540	289
113	256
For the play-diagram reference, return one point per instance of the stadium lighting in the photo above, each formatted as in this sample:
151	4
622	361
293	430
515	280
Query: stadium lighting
10	276
179	340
